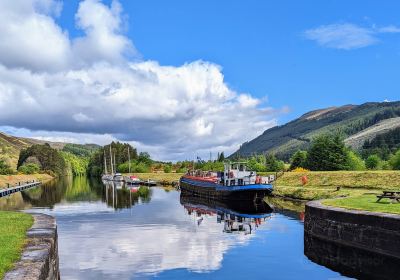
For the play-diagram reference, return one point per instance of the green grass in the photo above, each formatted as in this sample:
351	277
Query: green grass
365	202
13	227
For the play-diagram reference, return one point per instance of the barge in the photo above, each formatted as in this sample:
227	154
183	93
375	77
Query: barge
235	183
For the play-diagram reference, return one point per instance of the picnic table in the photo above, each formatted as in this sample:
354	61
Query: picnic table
393	195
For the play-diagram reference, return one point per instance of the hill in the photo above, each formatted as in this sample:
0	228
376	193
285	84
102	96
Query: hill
10	147
357	123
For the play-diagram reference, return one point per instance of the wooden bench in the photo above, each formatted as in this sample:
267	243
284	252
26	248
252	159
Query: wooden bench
393	195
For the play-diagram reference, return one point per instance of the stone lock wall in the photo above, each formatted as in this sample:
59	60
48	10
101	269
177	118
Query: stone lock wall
375	232
39	261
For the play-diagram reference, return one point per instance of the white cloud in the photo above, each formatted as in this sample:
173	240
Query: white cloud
86	87
347	36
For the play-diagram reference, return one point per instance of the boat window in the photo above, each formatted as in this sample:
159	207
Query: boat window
232	182
241	167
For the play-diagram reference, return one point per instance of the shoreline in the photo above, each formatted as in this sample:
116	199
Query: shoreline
14	179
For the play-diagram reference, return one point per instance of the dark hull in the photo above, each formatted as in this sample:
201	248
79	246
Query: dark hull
209	190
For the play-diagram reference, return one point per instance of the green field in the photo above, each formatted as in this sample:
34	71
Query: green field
358	189
13	227
365	202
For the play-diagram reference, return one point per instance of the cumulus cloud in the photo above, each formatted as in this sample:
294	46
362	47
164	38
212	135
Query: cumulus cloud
87	86
347	36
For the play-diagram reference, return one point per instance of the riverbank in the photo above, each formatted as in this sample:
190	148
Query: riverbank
162	178
14	179
13	228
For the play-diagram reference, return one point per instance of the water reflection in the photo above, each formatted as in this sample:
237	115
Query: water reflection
350	261
236	217
110	231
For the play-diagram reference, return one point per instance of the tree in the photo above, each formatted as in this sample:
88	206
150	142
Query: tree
298	159
373	162
221	157
395	161
272	164
327	153
354	161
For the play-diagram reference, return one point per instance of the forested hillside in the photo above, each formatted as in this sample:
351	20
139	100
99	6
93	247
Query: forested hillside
369	119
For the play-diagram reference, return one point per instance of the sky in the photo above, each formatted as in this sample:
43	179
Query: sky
185	78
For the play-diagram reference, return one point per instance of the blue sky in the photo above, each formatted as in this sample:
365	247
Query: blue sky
262	48
184	78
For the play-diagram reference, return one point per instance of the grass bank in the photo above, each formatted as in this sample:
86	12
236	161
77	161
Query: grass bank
164	178
366	203
14	179
13	227
323	185
357	189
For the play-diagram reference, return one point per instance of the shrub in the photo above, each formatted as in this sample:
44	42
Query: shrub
355	162
300	170
373	162
395	161
5	169
30	168
167	168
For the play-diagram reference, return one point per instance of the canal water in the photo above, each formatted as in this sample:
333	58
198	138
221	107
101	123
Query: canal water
111	232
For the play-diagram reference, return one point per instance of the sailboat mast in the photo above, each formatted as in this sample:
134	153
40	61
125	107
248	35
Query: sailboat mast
129	160
105	163
111	161
115	164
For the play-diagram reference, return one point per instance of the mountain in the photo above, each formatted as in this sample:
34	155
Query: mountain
357	123
10	147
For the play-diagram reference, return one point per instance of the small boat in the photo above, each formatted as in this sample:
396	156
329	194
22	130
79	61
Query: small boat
132	180
118	177
148	182
235	183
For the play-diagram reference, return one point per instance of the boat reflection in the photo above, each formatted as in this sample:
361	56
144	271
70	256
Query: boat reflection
237	217
119	195
351	261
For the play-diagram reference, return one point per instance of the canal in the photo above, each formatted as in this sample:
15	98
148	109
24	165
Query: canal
109	232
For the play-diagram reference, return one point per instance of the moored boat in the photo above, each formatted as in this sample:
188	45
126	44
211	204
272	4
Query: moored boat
132	180
235	183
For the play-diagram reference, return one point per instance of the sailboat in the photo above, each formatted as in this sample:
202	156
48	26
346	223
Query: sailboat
106	176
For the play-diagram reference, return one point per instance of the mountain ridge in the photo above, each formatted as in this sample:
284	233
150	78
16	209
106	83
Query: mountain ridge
348	120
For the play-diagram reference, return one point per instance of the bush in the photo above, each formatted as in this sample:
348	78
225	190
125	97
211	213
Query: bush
373	162
30	168
355	162
395	161
5	169
300	170
167	168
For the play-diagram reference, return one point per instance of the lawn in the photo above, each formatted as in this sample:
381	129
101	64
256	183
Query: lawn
13	227
365	202
323	185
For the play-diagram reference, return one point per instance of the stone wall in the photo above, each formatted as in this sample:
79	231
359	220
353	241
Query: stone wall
375	232
39	261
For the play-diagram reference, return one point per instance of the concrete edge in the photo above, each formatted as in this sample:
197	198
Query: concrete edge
39	260
318	204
